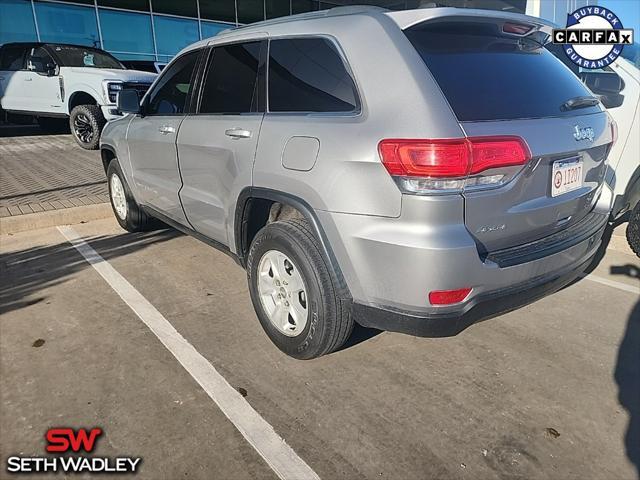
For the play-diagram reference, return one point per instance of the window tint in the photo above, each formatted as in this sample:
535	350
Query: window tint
126	32
486	76
173	34
12	58
307	75
59	23
16	22
73	56
37	60
170	94
231	84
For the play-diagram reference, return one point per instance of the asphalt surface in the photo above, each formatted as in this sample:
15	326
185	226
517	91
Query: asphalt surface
549	391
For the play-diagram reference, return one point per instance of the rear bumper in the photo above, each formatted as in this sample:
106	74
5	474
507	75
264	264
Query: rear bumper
391	264
481	307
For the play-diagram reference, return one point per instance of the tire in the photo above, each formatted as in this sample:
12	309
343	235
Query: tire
86	123
328	320
53	125
633	230
134	218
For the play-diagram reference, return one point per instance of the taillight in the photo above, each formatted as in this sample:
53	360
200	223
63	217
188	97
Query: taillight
421	166
517	28
425	158
447	297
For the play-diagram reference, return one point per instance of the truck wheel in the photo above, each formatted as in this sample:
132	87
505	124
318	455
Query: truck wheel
86	123
296	296
633	230
127	212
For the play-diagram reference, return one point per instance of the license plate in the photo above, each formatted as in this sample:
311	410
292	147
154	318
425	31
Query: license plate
566	176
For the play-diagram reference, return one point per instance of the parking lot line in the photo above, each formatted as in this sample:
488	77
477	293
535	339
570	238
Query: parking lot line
255	429
612	283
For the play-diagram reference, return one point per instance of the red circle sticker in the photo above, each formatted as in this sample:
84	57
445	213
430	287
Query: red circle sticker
557	180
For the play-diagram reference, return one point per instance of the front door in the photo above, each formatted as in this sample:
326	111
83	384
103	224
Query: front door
43	82
152	138
217	146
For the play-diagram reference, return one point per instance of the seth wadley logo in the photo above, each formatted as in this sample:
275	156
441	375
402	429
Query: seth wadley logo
594	37
65	440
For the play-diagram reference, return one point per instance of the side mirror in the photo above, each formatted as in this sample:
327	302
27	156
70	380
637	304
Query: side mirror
606	85
51	69
128	101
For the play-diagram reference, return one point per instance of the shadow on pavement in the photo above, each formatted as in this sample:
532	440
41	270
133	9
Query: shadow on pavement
360	334
25	274
627	372
15	130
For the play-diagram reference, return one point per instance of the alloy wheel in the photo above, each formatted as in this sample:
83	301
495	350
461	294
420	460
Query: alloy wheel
283	293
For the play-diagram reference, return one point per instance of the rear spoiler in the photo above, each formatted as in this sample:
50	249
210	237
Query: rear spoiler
408	18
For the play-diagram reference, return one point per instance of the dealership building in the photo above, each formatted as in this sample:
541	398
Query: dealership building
158	29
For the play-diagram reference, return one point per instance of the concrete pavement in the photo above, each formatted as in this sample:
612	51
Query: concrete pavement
547	391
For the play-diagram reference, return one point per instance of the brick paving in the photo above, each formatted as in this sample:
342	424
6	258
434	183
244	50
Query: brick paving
46	172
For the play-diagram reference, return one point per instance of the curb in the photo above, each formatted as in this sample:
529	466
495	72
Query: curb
52	218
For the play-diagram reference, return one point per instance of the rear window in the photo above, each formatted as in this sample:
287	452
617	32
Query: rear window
12	57
487	76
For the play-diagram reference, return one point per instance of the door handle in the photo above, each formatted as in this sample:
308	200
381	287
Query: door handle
237	133
28	79
165	129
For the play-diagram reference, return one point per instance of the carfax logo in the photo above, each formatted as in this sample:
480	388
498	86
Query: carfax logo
68	440
594	37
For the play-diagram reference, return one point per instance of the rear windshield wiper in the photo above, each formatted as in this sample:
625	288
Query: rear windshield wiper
579	102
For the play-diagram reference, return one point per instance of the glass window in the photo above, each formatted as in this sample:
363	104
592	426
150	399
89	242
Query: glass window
142	5
302	6
231	84
12	58
250	11
135	56
38	59
125	32
173	34
16	22
504	77
67	24
170	93
277	8
185	8
222	10
307	75
72	56
210	29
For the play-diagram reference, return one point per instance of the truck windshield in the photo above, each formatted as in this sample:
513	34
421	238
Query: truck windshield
76	56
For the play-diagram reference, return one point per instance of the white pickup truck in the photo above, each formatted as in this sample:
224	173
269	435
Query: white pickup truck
53	81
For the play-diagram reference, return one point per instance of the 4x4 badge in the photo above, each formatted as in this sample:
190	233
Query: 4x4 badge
585	133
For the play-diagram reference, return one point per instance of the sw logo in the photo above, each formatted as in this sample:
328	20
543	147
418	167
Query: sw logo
63	439
66	440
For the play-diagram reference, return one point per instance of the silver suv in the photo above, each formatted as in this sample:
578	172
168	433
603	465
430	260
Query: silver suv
411	171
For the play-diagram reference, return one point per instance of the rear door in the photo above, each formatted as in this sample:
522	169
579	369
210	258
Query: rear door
217	145
152	138
13	86
504	84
